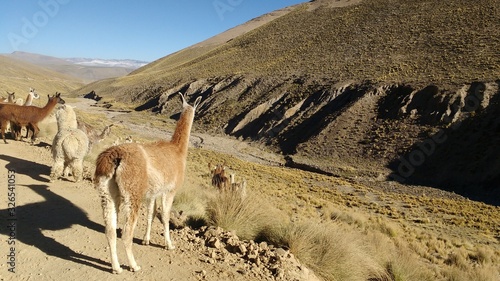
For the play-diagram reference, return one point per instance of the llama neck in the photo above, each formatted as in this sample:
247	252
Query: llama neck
29	99
48	107
183	129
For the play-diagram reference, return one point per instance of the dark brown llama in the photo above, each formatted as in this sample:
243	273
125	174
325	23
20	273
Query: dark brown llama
219	178
27	116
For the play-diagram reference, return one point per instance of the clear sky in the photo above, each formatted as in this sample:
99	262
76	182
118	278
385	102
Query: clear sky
111	29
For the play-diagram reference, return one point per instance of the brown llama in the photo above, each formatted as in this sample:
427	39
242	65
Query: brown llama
130	173
27	116
32	95
219	178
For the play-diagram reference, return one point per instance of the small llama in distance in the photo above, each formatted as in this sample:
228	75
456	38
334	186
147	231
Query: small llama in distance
130	173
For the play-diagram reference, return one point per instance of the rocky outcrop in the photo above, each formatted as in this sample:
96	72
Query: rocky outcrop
260	259
358	129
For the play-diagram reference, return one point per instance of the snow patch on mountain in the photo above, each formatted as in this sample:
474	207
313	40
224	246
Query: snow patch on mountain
126	63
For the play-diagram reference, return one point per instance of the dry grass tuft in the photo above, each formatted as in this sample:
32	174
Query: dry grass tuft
245	216
331	252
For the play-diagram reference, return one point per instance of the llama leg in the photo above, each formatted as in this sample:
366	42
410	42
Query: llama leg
151	211
110	211
128	235
57	168
167	200
4	127
77	169
35	132
66	170
29	131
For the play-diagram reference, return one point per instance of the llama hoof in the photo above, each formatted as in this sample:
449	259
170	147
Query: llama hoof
145	242
169	247
135	268
118	270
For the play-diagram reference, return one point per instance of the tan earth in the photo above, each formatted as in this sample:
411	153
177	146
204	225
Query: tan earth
56	232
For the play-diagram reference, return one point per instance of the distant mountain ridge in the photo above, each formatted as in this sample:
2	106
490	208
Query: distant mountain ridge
85	69
125	63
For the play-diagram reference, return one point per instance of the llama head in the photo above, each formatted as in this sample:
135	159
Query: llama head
11	97
57	97
185	104
105	132
34	94
66	117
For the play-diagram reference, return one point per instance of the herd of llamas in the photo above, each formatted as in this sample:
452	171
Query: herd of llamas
126	174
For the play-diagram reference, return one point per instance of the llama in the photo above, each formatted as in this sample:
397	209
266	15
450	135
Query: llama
92	133
27	115
29	101
130	173
219	178
70	145
127	139
240	187
31	96
11	97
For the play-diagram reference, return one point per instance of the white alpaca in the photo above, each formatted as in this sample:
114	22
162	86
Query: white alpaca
70	145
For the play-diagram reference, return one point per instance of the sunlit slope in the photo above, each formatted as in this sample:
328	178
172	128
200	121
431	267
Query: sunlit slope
17	76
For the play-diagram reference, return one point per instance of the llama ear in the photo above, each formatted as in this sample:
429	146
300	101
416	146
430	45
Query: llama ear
183	98
197	102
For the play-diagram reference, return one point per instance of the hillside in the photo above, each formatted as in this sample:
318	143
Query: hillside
17	76
383	89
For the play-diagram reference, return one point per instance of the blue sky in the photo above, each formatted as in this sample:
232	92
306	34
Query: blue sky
112	29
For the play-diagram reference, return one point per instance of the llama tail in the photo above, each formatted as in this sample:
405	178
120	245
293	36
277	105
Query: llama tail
107	162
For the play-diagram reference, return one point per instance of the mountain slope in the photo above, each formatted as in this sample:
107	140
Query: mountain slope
352	90
17	76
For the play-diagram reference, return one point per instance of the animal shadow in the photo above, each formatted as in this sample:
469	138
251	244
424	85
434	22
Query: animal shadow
54	213
26	167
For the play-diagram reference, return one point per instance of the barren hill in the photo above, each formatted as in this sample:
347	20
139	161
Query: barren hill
383	89
17	76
